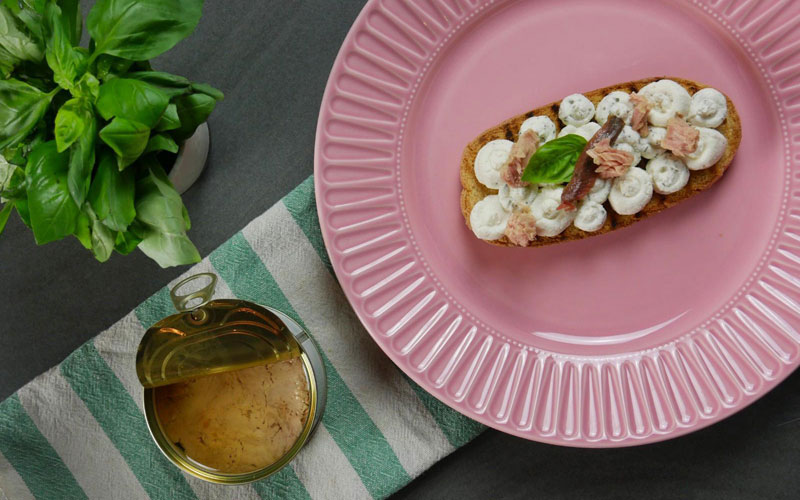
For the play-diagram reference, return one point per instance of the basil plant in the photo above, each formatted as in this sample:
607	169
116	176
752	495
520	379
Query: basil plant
85	132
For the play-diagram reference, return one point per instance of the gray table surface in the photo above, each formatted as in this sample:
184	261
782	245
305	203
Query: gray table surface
272	59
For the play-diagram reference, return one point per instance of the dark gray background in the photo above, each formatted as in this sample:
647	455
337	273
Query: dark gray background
272	59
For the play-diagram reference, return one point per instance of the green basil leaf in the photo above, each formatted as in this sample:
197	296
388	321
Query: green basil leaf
554	161
165	187
71	121
14	154
21	108
133	100
15	184
34	5
208	90
171	85
102	240
169	120
186	219
160	179
127	241
53	213
7	63
141	29
81	162
111	194
15	6
127	138
161	212
4	214
23	211
193	110
45	84
24	148
110	67
18	43
6	173
161	142
18	154
30	14
82	231
87	87
66	61
73	19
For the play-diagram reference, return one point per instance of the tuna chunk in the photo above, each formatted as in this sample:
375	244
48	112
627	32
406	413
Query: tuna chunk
610	162
681	138
518	159
521	229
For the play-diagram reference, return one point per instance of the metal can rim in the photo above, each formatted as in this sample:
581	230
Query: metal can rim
316	383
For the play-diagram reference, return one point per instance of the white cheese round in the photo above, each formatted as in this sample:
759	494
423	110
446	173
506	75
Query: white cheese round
488	219
542	125
517	197
616	103
567	130
708	109
576	110
669	173
650	146
639	144
631	191
490	160
656	135
549	220
668	99
590	217
600	190
628	136
710	147
586	131
647	150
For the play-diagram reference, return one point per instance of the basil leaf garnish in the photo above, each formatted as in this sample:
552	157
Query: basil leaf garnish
554	161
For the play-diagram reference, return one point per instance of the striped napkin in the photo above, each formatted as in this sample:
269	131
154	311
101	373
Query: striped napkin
78	431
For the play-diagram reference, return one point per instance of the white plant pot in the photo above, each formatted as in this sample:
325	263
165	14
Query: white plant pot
191	160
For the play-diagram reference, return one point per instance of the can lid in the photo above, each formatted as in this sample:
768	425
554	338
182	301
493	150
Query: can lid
211	336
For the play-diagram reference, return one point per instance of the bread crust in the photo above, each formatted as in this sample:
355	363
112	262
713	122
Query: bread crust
472	191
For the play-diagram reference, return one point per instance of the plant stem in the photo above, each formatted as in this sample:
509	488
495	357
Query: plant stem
94	56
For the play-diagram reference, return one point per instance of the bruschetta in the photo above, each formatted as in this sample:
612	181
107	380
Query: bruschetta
596	162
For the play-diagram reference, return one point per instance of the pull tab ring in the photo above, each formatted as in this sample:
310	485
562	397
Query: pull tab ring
188	302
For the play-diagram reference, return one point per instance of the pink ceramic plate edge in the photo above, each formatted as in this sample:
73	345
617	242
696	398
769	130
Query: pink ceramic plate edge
558	396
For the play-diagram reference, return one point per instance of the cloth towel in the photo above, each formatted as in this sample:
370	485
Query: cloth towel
78	430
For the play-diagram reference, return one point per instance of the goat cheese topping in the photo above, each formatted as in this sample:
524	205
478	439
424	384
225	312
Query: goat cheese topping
669	173
631	191
490	160
709	108
542	125
576	110
488	219
668	98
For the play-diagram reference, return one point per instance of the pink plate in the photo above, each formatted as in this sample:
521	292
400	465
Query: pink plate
628	338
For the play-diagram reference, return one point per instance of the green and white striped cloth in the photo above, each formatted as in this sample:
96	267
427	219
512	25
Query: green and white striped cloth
77	431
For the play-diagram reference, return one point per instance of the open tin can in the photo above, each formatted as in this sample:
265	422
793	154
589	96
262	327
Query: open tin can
219	376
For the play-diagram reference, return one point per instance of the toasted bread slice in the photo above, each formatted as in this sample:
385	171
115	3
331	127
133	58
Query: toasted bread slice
473	191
